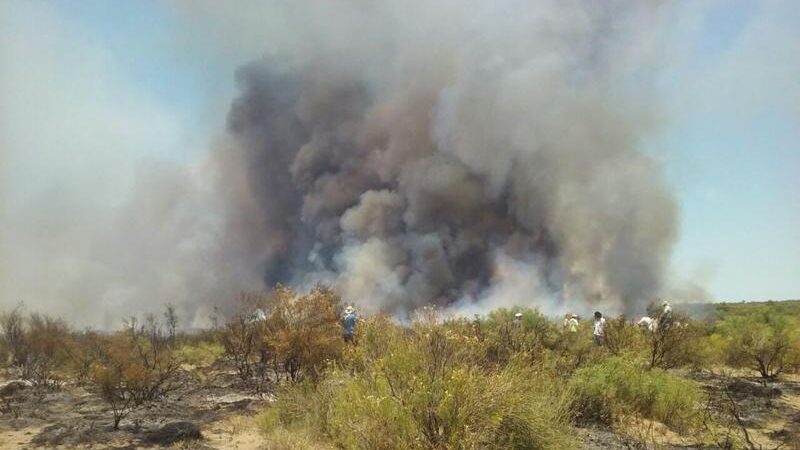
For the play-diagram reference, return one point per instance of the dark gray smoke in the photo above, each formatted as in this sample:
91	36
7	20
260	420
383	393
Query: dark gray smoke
450	153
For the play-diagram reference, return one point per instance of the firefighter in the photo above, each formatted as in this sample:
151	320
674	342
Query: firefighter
599	328
665	319
349	324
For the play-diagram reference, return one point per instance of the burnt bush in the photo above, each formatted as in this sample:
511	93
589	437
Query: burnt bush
46	340
287	333
12	324
37	346
304	332
137	367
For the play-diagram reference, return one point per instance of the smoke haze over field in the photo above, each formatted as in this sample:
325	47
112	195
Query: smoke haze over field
471	155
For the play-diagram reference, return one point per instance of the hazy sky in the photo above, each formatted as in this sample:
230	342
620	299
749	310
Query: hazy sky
93	92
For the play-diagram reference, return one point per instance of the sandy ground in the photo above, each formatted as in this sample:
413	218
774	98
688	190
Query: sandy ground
233	433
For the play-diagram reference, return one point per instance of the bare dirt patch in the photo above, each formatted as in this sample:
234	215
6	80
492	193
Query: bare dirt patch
209	400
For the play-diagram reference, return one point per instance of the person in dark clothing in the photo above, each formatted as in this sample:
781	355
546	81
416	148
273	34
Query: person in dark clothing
349	325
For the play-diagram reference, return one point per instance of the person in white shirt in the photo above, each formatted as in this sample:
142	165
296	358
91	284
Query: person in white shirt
599	329
572	323
647	323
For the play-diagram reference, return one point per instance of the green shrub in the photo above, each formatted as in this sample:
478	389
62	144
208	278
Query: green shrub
625	338
419	389
759	338
201	354
503	340
573	351
283	439
617	387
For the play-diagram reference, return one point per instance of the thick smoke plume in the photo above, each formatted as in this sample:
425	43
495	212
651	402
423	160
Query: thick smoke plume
467	155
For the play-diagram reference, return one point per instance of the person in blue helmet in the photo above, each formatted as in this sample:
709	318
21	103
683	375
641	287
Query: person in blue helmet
349	324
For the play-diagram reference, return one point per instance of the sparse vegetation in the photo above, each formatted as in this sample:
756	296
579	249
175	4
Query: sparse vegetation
137	367
618	387
511	379
762	338
37	346
417	389
298	335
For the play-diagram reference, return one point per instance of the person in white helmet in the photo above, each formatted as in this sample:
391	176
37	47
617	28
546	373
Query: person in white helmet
517	322
349	325
665	319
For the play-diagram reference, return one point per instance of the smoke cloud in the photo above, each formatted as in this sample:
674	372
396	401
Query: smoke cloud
469	155
435	152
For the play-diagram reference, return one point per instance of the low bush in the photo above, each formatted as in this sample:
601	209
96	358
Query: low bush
617	387
625	338
279	437
417	388
37	345
12	324
136	368
46	354
574	351
291	334
303	332
759	338
199	354
504	339
84	349
240	339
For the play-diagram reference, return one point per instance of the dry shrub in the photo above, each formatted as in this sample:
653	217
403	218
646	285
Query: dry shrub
46	340
300	335
239	338
13	328
138	367
676	345
84	349
304	332
37	345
